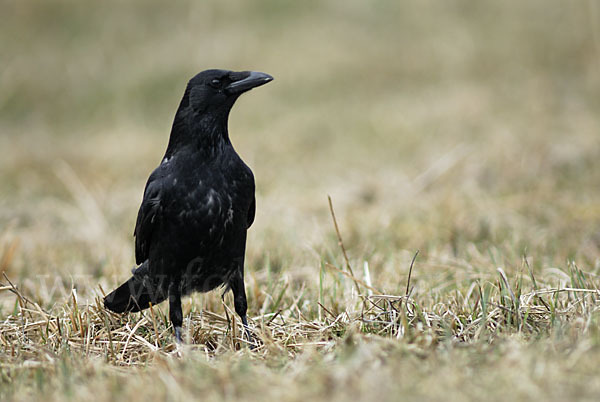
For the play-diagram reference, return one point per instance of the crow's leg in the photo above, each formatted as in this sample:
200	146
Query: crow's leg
239	301
175	313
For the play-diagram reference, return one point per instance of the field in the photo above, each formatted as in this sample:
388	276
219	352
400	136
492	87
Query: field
460	145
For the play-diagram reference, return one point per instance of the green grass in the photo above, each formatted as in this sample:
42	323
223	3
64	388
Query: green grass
466	131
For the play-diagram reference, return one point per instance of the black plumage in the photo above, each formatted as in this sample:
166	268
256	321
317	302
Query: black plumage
190	233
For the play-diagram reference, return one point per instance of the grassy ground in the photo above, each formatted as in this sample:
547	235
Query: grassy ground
468	131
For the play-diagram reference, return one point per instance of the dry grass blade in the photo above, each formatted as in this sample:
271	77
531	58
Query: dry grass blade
354	279
341	244
412	263
505	280
157	337
515	301
13	289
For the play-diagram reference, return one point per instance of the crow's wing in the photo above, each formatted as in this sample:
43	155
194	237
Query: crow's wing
146	218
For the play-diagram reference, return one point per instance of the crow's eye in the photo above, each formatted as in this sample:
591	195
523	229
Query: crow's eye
215	83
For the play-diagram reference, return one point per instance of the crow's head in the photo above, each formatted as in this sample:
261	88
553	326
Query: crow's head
217	90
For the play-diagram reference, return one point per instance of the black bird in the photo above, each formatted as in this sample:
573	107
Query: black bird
190	233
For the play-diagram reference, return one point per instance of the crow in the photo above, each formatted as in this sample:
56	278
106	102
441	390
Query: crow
190	233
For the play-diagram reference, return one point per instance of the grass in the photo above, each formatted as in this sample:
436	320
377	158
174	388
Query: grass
466	132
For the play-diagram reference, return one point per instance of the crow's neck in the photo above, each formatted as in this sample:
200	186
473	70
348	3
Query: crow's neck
206	134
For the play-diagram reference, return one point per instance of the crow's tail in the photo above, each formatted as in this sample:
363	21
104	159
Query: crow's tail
137	293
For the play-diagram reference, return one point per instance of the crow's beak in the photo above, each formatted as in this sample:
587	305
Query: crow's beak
252	80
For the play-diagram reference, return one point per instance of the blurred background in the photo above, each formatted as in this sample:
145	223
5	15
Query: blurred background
467	130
